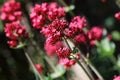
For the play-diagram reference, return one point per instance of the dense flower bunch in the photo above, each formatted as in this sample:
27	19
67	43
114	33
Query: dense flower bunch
116	78
42	14
11	11
15	32
49	19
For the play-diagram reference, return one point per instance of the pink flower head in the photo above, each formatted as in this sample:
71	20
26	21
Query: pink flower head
13	43
51	49
65	62
80	39
117	15
77	56
63	52
11	11
78	23
14	31
116	78
54	31
59	24
95	33
55	11
39	68
69	33
42	14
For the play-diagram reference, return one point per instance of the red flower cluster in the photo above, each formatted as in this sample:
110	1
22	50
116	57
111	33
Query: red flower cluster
42	14
15	32
116	78
51	49
95	34
67	63
11	11
63	52
48	18
54	31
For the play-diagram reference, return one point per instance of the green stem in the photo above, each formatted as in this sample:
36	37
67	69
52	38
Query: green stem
51	64
87	73
94	69
41	53
62	78
113	59
90	77
32	64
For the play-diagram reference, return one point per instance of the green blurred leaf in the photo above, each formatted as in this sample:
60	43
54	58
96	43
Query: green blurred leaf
106	48
109	22
116	35
1	26
69	8
118	62
60	72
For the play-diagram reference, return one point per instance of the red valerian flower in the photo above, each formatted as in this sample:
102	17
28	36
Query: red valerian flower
80	39
39	67
117	15
95	33
116	78
66	62
63	52
15	32
51	49
12	43
78	23
44	13
11	11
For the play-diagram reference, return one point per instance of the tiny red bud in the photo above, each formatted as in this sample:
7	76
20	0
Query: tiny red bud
39	68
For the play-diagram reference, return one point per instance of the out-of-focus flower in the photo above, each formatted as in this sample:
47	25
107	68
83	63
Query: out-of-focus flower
63	52
116	78
39	68
11	11
117	15
15	32
51	49
42	14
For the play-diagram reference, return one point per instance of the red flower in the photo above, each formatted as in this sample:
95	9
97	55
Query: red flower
15	32
78	23
116	78
12	43
47	12
117	15
63	52
95	33
80	39
11	11
51	49
39	68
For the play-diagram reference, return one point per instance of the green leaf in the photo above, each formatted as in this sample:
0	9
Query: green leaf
116	35
1	26
59	73
118	62
69	8
106	48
